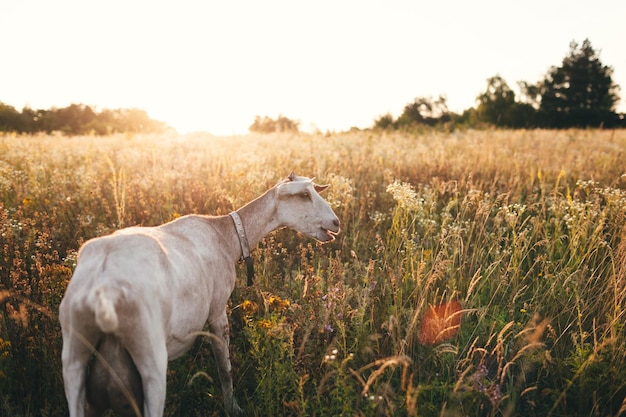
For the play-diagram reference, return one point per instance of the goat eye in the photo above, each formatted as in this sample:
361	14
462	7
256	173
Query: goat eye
305	196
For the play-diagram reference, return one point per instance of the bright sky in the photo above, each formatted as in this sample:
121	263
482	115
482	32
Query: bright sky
214	65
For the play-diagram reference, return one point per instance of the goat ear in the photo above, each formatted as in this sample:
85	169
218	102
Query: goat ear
320	188
292	176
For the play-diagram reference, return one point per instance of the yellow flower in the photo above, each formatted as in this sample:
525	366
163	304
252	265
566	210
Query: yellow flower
27	201
278	303
265	324
249	307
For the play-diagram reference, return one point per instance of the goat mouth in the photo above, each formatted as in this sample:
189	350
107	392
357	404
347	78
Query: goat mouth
330	233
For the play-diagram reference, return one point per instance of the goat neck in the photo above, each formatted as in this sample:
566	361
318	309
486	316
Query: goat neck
258	218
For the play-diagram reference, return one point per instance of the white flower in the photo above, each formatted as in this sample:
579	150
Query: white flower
405	195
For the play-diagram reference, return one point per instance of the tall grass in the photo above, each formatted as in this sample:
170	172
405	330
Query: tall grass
525	229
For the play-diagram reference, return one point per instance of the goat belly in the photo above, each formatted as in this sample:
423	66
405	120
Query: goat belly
113	380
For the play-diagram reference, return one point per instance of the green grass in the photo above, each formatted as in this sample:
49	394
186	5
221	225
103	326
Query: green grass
526	229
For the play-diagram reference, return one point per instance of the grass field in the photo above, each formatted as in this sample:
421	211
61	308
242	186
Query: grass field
524	230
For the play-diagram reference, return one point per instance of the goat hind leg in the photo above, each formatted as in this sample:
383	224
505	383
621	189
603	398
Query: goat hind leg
219	344
77	350
149	353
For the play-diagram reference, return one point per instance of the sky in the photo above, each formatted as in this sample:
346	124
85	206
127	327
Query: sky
213	66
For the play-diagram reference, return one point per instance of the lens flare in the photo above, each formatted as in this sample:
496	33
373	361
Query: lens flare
440	323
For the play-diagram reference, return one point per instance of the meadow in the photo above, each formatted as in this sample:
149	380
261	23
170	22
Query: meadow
525	231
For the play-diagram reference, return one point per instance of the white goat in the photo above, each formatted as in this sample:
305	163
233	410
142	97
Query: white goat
139	296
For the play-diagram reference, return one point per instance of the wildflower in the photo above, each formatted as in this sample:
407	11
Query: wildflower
482	371
27	201
340	192
331	356
265	324
71	259
328	328
278	304
405	195
494	394
377	217
513	212
249	307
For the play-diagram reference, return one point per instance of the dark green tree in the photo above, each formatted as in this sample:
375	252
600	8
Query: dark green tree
423	111
498	106
77	119
31	119
496	103
268	125
385	121
426	111
74	119
579	93
530	94
10	119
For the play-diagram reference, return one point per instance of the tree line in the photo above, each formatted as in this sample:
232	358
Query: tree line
578	93
268	125
77	119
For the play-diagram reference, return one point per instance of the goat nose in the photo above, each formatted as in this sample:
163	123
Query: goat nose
336	222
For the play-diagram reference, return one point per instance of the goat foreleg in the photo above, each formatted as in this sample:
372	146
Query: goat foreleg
221	351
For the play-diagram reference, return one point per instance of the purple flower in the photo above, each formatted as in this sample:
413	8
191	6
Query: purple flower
494	394
328	328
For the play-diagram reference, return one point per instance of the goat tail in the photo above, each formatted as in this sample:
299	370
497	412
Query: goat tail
106	316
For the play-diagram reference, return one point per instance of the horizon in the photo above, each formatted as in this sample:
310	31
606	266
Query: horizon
213	68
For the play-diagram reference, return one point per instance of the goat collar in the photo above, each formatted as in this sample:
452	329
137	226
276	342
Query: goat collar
245	246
